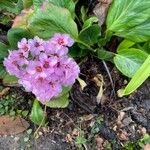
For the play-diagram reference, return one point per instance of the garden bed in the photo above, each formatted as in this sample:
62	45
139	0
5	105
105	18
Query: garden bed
101	108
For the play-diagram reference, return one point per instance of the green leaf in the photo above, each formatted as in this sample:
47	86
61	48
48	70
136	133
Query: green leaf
105	55
3	51
37	3
37	114
16	34
90	21
69	4
2	72
76	51
128	61
52	19
125	44
9	80
130	19
83	14
8	5
27	3
60	102
139	77
19	6
90	34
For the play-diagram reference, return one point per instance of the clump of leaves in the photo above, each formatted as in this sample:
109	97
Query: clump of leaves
9	106
138	144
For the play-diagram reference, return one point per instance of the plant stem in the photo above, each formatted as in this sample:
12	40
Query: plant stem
86	45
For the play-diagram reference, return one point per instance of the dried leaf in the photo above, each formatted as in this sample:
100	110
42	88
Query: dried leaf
123	136
68	138
120	117
100	82
12	125
4	91
147	147
100	10
87	117
99	142
82	83
21	20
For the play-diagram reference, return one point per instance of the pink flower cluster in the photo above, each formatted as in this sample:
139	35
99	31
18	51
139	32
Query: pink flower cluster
43	67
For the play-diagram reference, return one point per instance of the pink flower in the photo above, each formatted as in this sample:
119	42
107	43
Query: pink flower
35	69
69	71
43	67
62	40
12	66
45	90
23	45
52	49
36	45
14	62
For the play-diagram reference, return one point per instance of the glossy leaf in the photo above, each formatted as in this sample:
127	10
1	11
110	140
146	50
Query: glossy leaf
83	12
16	34
69	4
76	51
90	21
37	114
140	76
37	3
90	34
60	102
125	44
2	72
105	55
128	61
27	3
130	19
3	51
9	80
45	22
8	5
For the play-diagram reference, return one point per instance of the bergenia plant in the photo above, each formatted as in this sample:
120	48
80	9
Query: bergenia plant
43	67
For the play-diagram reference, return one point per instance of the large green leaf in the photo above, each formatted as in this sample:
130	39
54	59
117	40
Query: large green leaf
105	55
9	80
3	51
8	5
16	34
2	72
130	19
90	21
37	3
60	102
125	44
69	4
128	61
52	19
27	3
90	34
37	114
140	76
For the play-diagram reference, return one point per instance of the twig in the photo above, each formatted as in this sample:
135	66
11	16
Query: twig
110	77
